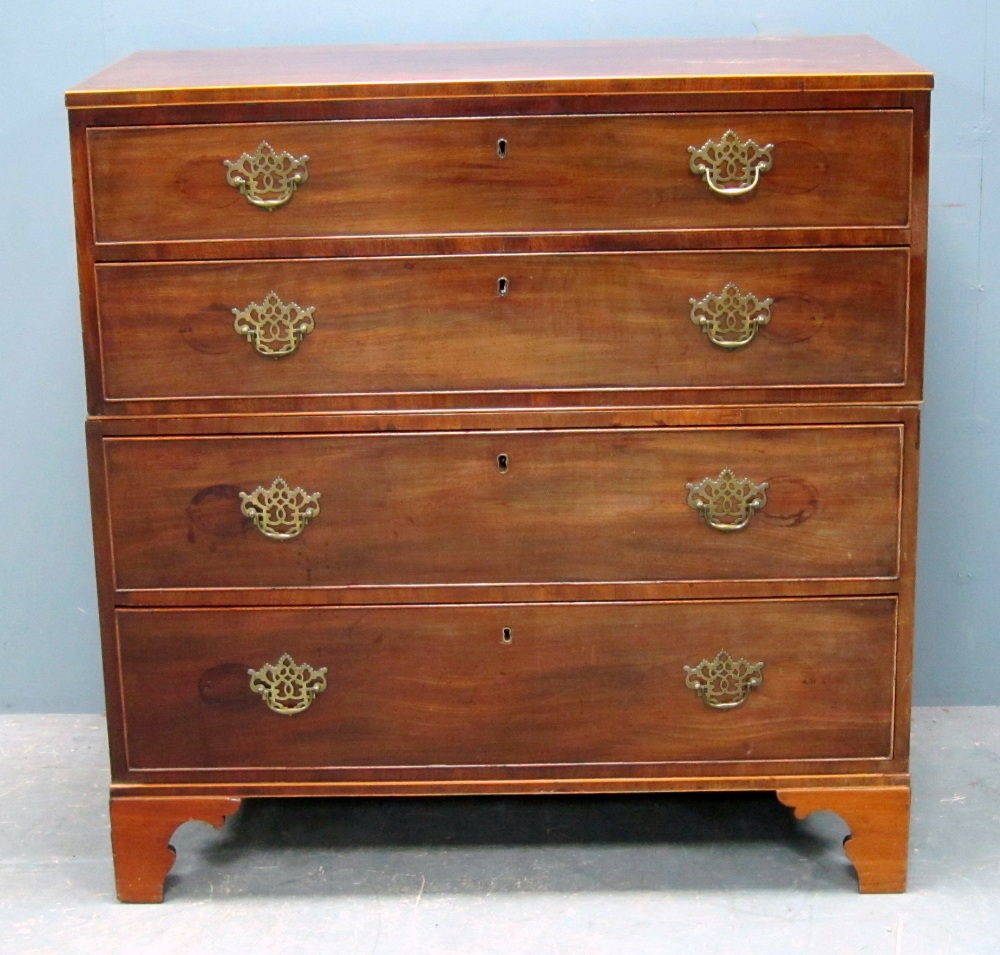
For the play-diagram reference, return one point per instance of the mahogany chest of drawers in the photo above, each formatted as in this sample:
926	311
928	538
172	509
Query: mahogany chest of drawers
505	419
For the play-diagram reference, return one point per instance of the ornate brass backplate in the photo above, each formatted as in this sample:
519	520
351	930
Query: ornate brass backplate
272	327
286	686
279	511
730	318
267	178
730	166
724	683
727	502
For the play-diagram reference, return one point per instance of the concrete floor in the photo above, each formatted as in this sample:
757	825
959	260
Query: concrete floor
476	876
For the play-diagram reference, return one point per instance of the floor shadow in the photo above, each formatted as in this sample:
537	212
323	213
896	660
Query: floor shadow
648	842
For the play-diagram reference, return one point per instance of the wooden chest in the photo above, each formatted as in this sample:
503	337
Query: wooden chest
505	419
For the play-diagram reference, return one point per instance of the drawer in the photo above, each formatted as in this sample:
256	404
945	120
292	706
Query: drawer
446	176
521	684
505	507
500	323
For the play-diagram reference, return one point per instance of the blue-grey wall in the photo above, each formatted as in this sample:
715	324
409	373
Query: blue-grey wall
48	629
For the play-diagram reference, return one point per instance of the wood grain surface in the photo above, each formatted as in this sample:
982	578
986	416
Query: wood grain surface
591	67
436	509
581	683
396	325
441	177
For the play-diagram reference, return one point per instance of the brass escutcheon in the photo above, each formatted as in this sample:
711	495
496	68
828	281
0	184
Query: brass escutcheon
730	318
727	502
730	160
267	178
286	686
724	683
279	511
272	327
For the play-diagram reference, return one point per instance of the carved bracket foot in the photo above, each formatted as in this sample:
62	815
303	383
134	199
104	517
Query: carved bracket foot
879	820
141	828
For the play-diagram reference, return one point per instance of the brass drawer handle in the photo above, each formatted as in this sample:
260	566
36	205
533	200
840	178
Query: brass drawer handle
279	511
730	318
730	160
267	178
286	686
727	502
724	683
272	327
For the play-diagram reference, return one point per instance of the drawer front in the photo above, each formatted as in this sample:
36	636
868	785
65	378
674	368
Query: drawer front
499	175
500	323
544	684
506	507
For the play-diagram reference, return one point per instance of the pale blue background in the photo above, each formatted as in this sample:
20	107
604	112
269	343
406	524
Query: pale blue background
49	657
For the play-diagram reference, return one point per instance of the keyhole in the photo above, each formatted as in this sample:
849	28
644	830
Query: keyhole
506	635
501	149
503	463
503	286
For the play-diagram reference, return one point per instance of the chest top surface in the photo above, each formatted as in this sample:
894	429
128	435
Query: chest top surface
757	64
